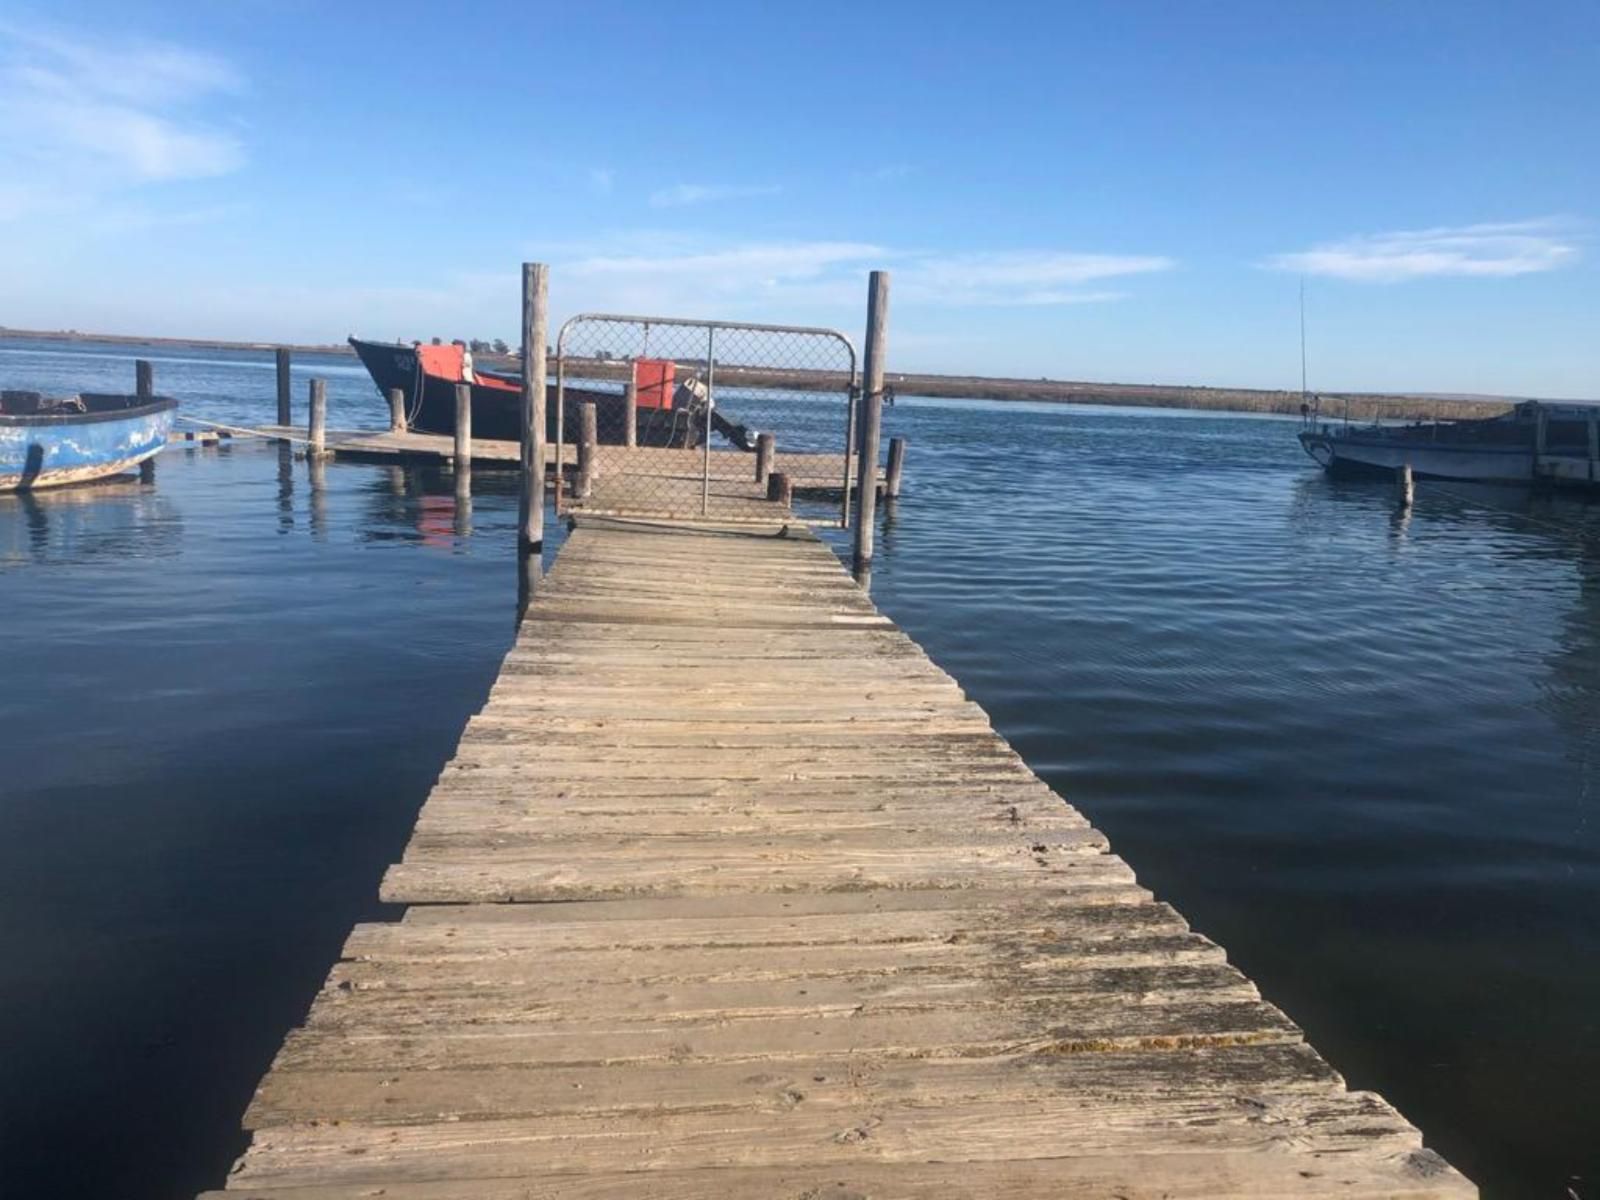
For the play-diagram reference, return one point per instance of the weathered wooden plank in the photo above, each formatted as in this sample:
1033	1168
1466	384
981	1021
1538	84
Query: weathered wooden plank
663	914
1148	1174
558	877
894	1133
382	1097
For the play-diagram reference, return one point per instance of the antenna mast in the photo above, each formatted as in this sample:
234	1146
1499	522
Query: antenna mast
1302	339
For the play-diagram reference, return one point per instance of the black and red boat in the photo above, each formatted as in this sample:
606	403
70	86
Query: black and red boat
665	414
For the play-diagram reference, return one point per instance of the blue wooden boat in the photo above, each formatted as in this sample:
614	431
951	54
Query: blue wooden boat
49	441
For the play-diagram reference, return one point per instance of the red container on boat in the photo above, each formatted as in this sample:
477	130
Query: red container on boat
442	362
653	381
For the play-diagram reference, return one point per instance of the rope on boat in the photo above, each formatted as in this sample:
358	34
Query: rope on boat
1577	531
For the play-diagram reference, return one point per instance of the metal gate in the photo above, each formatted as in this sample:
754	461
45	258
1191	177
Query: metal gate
663	417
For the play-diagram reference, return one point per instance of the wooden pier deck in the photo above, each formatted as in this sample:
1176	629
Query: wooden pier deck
730	892
807	471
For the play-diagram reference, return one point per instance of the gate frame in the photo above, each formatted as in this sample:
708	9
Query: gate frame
852	390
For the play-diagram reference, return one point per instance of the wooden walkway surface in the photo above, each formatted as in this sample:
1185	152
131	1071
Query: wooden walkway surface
808	471
730	893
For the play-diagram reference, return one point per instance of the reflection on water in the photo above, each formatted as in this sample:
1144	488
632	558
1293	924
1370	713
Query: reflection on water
77	525
1358	747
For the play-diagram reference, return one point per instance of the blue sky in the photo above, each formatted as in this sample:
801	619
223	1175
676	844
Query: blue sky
1118	191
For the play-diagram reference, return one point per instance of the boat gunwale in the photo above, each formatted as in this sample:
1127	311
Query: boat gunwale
37	420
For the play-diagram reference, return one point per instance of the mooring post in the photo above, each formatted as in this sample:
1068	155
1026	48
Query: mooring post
147	470
897	466
780	489
397	411
766	449
588	448
319	419
1405	488
144	379
463	457
871	415
535	327
1594	442
630	414
283	385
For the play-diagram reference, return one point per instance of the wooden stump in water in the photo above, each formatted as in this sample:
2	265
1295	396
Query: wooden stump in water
780	489
766	450
144	379
463	446
283	385
319	419
1405	488
897	465
588	448
397	411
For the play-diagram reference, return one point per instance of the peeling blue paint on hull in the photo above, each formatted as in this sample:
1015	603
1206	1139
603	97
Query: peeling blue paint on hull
60	449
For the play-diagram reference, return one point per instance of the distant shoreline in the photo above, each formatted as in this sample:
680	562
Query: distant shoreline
129	339
1361	406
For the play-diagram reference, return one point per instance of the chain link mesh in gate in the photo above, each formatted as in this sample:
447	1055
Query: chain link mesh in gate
688	442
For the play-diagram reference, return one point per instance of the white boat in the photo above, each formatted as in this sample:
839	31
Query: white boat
1536	440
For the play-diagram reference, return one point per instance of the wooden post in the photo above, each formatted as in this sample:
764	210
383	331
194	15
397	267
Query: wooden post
588	448
871	414
535	328
1594	443
147	470
144	379
766	449
897	465
463	457
319	418
283	385
630	413
1405	488
780	489
397	411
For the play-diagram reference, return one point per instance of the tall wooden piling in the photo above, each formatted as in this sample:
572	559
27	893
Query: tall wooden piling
897	466
463	448
630	414
283	385
1405	487
871	423
535	328
144	379
397	411
766	450
319	419
588	448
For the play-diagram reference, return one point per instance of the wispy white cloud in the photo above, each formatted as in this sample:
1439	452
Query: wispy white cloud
1494	250
80	119
1022	277
679	274
602	180
682	194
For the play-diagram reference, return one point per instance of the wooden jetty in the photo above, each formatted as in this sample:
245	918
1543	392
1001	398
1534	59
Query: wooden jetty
730	892
640	481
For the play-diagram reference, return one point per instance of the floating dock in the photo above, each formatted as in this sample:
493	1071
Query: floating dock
730	892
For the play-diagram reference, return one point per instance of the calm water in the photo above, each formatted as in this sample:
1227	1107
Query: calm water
1357	749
